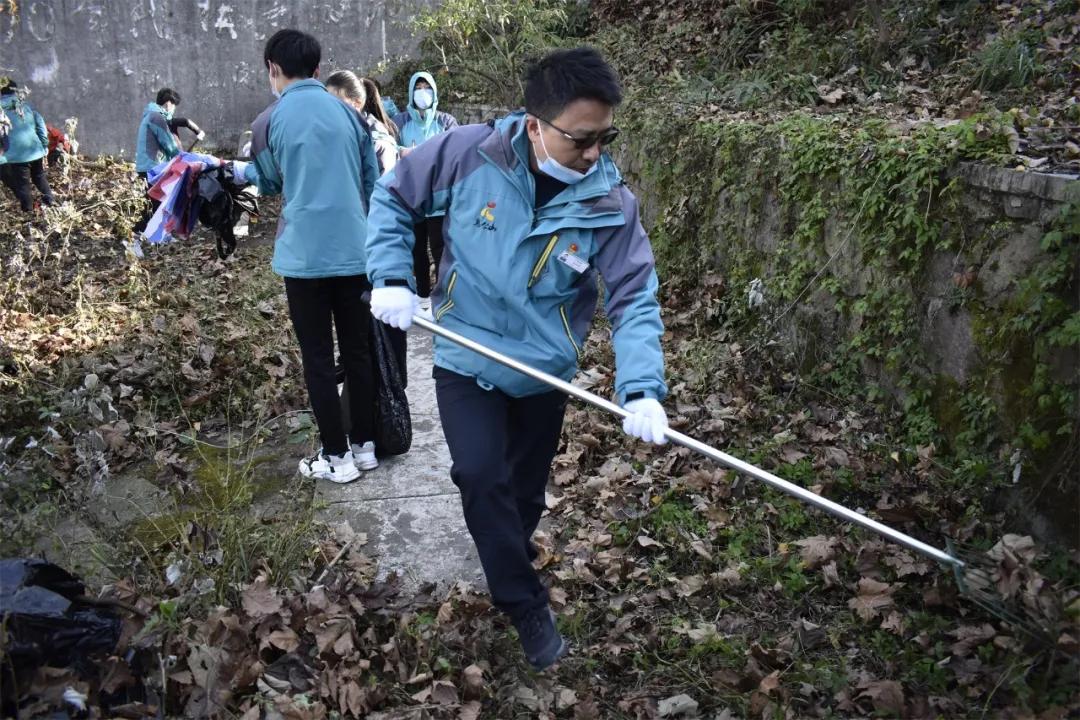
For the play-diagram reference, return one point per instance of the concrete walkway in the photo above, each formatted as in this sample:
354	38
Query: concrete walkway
408	506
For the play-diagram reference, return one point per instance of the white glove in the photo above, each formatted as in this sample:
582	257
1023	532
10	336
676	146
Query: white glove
239	168
646	421
201	135
394	306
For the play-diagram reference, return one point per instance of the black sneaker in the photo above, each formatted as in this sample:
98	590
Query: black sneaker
540	639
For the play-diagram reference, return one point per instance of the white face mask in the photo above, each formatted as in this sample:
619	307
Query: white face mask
273	87
555	169
423	98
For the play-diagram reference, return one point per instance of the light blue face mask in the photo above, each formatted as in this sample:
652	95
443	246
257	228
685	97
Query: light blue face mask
423	98
555	169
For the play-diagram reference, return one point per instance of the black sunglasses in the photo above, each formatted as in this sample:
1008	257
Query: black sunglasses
604	137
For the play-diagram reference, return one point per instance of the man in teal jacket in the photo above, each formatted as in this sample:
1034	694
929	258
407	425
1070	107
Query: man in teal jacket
28	141
535	213
154	144
317	150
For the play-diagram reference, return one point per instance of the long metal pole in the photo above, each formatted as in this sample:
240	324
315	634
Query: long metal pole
688	442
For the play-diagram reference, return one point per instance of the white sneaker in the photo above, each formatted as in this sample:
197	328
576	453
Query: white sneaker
364	456
425	304
335	468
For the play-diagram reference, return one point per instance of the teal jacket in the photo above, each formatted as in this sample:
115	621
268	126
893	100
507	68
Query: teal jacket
416	126
27	139
318	150
155	144
517	278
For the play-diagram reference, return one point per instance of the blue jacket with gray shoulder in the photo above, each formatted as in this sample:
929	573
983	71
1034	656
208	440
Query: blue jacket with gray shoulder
318	151
515	277
155	143
27	140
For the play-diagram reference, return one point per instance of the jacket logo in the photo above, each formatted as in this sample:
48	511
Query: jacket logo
486	219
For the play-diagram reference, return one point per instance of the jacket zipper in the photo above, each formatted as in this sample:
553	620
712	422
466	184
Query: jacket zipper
569	335
539	266
449	298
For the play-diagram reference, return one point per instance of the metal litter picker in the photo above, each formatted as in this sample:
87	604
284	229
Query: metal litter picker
975	574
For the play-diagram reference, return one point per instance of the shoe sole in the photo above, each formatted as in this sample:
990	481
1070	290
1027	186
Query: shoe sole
342	478
367	466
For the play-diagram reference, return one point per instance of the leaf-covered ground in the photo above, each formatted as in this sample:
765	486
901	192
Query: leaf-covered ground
685	589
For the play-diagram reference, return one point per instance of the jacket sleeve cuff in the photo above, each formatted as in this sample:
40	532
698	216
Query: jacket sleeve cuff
394	282
639	393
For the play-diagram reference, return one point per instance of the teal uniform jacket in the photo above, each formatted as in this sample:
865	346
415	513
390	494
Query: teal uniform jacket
28	139
317	151
515	277
154	144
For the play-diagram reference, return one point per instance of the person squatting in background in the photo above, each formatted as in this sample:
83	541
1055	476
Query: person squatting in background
154	144
23	161
318	152
351	90
420	122
537	214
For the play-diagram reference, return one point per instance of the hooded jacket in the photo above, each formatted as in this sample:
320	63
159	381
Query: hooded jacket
155	143
28	139
414	125
518	278
317	150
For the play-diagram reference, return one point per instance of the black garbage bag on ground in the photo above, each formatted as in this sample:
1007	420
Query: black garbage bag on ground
393	423
47	619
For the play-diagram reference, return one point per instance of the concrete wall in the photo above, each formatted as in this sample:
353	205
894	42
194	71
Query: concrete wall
103	60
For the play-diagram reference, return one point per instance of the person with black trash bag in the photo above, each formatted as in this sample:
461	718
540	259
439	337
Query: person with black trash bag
536	213
314	149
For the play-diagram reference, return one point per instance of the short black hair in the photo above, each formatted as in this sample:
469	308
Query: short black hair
561	77
165	95
10	88
296	53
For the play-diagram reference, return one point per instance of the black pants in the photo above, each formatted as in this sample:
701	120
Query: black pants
316	306
429	234
18	176
502	448
149	209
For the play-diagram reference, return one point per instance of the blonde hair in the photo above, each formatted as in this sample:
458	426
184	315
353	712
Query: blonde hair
347	85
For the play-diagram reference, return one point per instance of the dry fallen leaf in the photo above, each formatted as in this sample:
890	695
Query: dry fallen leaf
872	598
677	706
817	550
472	679
887	696
259	599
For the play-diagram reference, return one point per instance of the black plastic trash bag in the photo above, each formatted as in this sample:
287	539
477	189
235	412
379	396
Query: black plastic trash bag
48	620
393	423
221	203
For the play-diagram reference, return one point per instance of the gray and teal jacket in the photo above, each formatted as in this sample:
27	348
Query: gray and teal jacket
155	143
518	278
27	139
318	151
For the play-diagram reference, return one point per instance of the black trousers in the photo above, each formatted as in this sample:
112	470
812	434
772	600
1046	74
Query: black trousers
18	177
317	306
149	209
428	234
502	448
